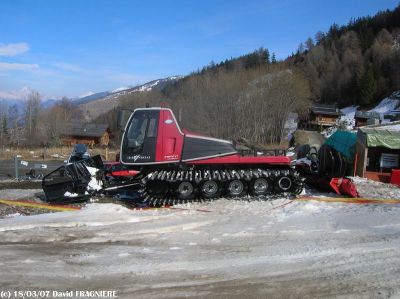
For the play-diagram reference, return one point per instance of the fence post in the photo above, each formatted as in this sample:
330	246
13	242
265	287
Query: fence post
16	166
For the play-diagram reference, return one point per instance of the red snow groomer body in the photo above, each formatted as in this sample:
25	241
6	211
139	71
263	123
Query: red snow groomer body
175	164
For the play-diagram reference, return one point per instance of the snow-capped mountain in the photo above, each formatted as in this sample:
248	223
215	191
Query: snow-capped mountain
92	97
18	97
99	103
158	84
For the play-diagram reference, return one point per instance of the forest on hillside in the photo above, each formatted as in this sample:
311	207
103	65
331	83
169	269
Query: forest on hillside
355	64
251	96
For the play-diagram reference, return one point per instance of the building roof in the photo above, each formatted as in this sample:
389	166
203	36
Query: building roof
381	138
84	130
326	109
367	114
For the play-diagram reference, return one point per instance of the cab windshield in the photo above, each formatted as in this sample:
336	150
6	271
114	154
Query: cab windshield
143	125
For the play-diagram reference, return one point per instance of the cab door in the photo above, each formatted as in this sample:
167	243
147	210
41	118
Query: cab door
140	138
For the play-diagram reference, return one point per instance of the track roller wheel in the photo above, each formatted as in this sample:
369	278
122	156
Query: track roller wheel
186	190
260	187
210	189
298	187
236	188
284	184
157	189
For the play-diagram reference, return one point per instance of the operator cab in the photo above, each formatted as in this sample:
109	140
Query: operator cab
153	136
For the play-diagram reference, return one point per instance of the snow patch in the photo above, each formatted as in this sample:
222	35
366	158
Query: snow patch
388	104
349	112
334	248
120	89
91	215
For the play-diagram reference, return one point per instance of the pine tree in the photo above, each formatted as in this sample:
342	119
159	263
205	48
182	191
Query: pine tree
264	54
300	49
309	44
273	58
367	86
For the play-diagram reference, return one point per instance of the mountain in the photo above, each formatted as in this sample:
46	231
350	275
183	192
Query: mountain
18	97
158	84
14	98
48	103
92	97
100	103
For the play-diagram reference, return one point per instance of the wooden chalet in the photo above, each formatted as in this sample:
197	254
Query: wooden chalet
364	118
321	116
89	134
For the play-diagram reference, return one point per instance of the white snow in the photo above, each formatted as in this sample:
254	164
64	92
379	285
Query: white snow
17	94
349	112
291	124
94	184
18	194
225	248
394	126
93	215
371	189
69	194
148	86
347	119
120	89
388	104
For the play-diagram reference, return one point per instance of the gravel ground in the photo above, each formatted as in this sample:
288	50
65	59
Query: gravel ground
20	194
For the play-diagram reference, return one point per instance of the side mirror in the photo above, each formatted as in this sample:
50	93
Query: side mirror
121	119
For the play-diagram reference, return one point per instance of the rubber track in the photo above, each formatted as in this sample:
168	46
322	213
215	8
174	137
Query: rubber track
199	176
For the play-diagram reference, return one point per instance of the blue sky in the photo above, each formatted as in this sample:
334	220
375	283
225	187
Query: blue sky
73	47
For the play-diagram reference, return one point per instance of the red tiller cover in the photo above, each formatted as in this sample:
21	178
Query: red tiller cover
344	186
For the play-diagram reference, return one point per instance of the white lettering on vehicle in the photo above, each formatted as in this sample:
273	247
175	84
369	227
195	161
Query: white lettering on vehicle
137	157
171	157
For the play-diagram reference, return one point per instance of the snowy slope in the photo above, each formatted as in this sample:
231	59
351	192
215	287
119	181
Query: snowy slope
347	119
119	89
388	104
96	105
349	112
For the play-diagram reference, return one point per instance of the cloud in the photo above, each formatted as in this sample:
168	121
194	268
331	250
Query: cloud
13	49
68	67
5	66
